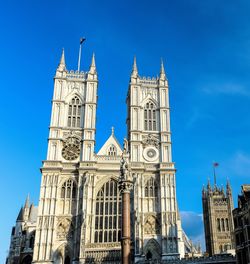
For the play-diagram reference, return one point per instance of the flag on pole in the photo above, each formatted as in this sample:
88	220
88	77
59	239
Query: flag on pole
215	164
81	40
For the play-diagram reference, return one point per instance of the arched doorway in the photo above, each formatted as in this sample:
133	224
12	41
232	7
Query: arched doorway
67	260
152	250
27	259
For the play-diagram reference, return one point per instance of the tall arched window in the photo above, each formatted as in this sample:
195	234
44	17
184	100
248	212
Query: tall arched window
218	225
222	224
151	189
150	116
151	195
227	224
74	113
112	150
68	190
108	213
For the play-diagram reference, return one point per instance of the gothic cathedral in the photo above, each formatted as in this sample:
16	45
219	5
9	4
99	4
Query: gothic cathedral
79	212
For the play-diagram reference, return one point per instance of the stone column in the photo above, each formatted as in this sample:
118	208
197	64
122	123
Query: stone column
125	186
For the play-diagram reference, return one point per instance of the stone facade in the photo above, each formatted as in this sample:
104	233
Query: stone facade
218	221
242	226
79	214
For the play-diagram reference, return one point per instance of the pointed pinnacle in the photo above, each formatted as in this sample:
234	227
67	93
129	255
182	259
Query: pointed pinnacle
62	66
162	71
92	68
27	201
134	69
62	61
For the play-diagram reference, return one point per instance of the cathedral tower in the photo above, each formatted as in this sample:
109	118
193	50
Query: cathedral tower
157	227
70	149
218	221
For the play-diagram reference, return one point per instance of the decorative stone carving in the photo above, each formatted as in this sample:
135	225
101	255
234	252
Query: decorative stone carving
64	229
152	225
150	140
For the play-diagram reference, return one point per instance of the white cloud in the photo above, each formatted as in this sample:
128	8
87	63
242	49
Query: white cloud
239	164
192	223
226	88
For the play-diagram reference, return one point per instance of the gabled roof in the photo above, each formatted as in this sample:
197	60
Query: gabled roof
112	140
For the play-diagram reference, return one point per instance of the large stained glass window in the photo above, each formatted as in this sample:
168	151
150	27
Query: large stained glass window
108	214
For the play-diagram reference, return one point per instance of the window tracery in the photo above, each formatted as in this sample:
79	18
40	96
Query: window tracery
151	195
108	214
74	113
150	117
112	150
68	190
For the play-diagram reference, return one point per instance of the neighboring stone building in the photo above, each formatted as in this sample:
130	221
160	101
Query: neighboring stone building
23	235
241	217
218	221
80	205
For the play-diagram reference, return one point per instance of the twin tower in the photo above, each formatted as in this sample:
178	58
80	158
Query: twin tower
79	214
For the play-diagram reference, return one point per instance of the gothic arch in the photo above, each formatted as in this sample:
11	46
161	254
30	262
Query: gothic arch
103	180
107	218
63	253
63	180
71	95
27	259
152	250
148	99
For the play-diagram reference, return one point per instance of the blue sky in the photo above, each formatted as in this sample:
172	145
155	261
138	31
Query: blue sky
205	46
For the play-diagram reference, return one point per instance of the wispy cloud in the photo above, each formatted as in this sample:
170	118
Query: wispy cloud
192	224
239	164
196	116
226	89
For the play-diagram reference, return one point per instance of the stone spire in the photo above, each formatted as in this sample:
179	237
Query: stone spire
92	68
27	201
228	188
62	66
162	71
134	69
20	215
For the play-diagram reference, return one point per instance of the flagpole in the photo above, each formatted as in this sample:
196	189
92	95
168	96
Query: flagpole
214	176
215	164
80	52
79	57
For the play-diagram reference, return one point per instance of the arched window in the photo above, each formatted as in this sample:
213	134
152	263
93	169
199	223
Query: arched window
150	116
151	195
32	240
112	150
151	189
218	225
108	214
222	224
227	225
68	190
74	113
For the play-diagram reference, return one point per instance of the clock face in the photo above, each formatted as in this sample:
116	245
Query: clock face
150	154
71	149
